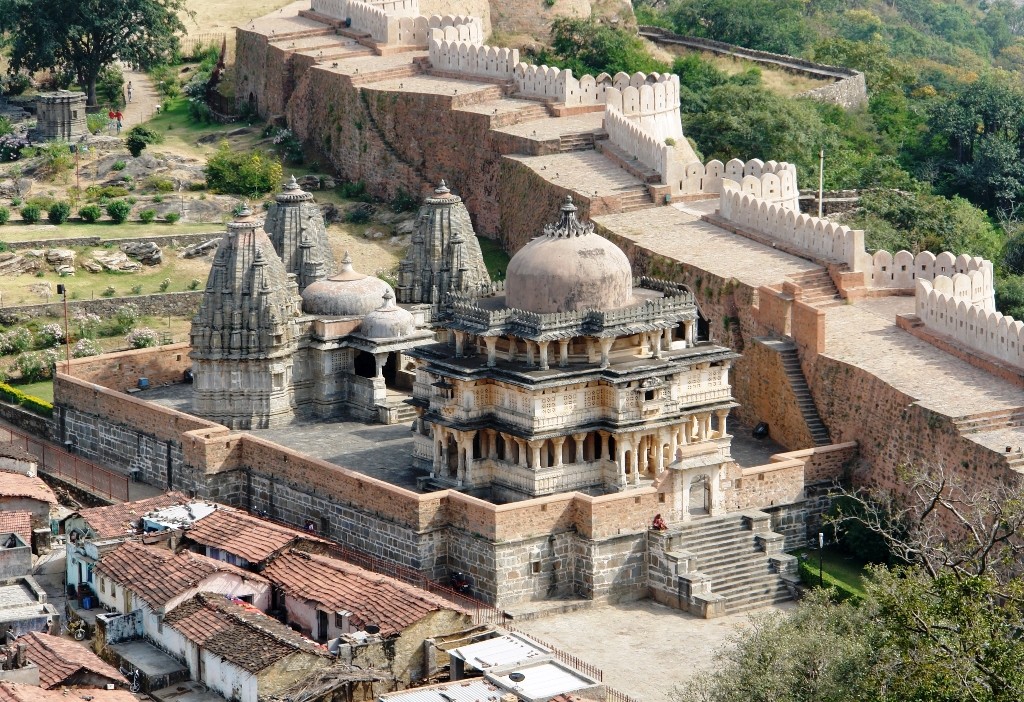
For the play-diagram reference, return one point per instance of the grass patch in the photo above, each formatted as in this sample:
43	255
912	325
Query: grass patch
840	567
43	389
495	258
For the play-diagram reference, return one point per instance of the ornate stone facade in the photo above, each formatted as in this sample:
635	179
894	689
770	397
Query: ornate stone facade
599	395
445	254
296	229
60	115
246	332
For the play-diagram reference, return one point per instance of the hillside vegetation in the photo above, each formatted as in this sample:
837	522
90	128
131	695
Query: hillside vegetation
942	138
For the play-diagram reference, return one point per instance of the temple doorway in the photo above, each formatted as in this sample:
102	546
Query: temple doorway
700	496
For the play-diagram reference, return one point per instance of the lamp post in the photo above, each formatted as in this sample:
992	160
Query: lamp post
821	180
821	549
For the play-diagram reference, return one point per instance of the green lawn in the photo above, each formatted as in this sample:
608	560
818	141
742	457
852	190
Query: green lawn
841	566
43	390
105	230
495	258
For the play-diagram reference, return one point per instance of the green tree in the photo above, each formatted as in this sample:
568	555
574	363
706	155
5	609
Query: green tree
139	137
248	173
778	26
586	46
85	36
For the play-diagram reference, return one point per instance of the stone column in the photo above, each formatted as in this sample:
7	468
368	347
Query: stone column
579	439
467	468
641	454
556	445
460	340
666	339
606	346
688	330
521	445
563	353
620	458
513	348
529	353
380	359
460	474
601	447
543	345
535	453
659	454
656	344
492	343
634	467
492	444
722	416
590	349
438	456
673	444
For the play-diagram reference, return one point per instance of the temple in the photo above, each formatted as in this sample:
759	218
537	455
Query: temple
574	377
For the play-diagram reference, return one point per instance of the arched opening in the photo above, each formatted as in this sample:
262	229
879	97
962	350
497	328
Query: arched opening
453	457
588	447
700	496
627	460
499	447
364	365
477	448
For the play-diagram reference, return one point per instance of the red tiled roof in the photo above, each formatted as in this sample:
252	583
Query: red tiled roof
123	518
59	659
15	692
240	634
157	575
243	535
18	485
19	523
371	598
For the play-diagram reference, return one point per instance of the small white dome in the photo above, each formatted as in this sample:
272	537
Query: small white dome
388	321
349	293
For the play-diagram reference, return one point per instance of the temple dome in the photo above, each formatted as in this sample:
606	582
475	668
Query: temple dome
388	321
569	269
349	293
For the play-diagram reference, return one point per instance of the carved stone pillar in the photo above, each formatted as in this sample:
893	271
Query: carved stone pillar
659	453
521	445
688	330
722	416
380	359
529	353
656	344
634	467
601	447
543	346
461	470
460	340
556	445
467	467
606	347
492	344
535	447
579	439
666	339
563	353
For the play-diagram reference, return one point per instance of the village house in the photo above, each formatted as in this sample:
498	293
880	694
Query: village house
64	663
23	608
15	459
243	540
17	692
236	650
20	492
94	531
155	580
329	599
19	523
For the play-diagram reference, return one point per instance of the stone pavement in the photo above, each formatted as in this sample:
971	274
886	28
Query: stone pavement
583	171
644	648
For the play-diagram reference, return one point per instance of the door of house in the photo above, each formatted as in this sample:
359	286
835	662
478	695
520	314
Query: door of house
321	625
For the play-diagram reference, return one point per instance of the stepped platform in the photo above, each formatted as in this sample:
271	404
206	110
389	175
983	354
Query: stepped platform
586	172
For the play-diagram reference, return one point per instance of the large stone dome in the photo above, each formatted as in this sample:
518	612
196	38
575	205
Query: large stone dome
349	293
569	269
388	321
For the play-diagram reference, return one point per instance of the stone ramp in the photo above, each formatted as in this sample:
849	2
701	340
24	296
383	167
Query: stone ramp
586	172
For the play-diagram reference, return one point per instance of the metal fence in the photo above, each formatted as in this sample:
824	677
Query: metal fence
570	660
70	468
194	43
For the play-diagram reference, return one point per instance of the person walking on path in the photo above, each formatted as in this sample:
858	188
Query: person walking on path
129	91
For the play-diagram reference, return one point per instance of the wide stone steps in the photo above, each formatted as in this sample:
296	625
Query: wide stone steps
727	552
576	142
817	288
386	74
476	96
989	421
637	198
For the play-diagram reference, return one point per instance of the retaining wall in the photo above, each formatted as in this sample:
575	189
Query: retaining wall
176	304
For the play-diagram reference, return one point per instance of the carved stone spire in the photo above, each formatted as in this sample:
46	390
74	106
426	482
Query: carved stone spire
567	225
296	228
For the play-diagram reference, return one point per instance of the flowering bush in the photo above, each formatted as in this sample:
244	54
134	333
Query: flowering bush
16	340
38	365
288	145
142	338
11	146
85	347
127	317
87	324
51	334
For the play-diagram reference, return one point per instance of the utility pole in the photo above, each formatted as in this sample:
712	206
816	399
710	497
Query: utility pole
62	290
821	180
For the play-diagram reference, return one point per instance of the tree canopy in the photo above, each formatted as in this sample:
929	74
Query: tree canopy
81	37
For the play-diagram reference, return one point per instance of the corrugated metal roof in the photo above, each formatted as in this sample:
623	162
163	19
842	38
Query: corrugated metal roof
475	690
499	651
544	680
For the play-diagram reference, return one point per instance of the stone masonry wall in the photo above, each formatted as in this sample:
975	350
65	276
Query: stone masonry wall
175	304
769	397
120	371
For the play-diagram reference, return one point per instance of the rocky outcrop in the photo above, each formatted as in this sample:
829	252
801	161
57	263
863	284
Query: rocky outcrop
145	252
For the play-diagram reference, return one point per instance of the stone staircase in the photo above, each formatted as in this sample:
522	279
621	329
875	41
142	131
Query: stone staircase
734	561
795	375
406	71
818	288
576	142
989	421
636	198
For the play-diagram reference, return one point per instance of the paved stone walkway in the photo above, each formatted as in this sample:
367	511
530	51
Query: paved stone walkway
643	648
144	102
583	171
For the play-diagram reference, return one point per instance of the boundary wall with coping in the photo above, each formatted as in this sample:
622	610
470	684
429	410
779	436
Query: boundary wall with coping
826	241
399	22
945	305
453	56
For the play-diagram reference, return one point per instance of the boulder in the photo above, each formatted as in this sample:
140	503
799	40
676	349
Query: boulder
309	182
328	183
60	257
116	261
91	266
202	249
12	264
146	252
406	226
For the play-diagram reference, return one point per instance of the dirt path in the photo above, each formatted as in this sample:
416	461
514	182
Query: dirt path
145	98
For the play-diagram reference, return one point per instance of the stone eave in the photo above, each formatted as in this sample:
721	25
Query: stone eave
488	421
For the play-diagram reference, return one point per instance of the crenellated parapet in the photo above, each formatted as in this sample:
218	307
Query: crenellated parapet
466	58
947	305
